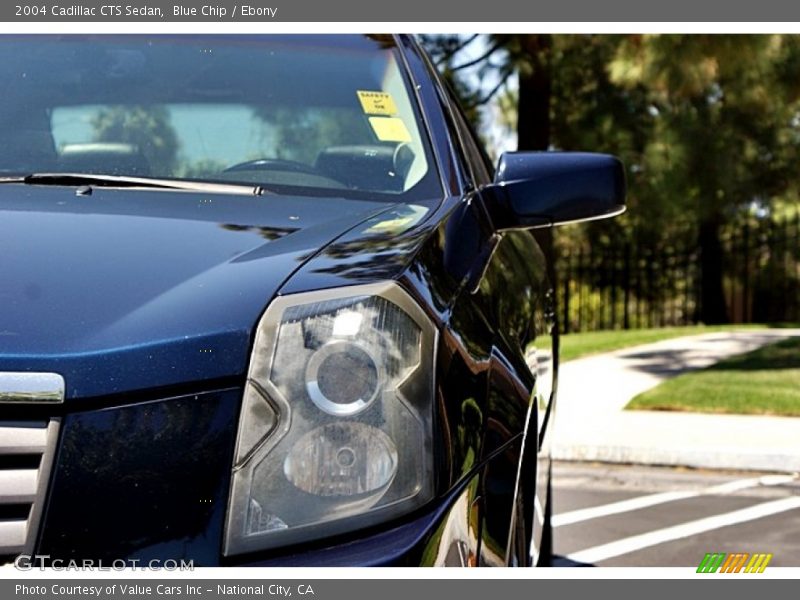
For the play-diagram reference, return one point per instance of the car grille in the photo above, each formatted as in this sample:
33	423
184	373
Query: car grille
26	455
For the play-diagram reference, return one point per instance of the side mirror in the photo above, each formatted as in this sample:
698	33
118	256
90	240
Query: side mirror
541	189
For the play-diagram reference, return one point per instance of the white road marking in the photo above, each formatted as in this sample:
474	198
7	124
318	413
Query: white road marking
594	512
538	513
684	530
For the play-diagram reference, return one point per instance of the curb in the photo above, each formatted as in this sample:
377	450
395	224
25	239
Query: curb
712	458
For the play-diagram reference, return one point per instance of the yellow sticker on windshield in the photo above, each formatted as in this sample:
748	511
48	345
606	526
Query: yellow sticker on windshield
377	103
390	129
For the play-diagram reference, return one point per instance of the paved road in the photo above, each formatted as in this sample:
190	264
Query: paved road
626	516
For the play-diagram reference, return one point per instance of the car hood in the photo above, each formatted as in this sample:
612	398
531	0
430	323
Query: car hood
125	290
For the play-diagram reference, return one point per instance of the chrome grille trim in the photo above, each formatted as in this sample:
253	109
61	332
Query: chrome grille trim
25	486
23	438
12	537
31	388
18	486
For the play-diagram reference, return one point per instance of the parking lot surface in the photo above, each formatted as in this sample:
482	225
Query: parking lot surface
631	516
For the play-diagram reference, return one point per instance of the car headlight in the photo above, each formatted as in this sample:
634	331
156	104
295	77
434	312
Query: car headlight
335	431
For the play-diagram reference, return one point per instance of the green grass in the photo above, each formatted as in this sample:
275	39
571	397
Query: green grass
577	345
764	382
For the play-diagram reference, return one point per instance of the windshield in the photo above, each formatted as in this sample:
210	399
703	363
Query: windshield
300	114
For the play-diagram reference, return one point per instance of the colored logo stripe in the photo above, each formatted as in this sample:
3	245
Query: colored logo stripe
734	563
758	563
711	562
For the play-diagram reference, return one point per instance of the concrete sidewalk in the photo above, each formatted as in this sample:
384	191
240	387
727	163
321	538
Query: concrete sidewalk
591	425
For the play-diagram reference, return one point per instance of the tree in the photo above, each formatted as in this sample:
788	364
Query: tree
300	133
722	137
147	128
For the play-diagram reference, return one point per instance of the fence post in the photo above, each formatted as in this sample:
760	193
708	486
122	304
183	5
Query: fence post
581	271
795	312
746	317
639	303
651	296
567	277
612	281
626	282
772	265
687	285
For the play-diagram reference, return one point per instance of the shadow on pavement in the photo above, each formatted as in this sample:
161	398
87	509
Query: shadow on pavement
674	361
659	362
563	561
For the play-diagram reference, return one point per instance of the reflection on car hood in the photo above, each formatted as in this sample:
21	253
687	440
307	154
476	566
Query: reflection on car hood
123	290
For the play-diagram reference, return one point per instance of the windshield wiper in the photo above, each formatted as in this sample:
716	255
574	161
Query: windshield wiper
125	181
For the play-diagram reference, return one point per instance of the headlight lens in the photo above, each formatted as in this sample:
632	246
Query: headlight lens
343	378
335	430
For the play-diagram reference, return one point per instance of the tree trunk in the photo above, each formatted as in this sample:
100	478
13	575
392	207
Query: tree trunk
535	85
533	114
712	295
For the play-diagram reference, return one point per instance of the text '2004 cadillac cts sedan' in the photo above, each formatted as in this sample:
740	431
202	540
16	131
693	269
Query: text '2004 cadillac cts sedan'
265	302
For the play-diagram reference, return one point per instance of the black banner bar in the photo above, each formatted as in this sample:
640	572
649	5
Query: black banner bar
407	11
732	588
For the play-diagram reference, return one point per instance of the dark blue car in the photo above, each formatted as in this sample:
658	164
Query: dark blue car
265	301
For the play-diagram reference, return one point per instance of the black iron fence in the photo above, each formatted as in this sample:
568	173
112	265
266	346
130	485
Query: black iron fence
632	287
